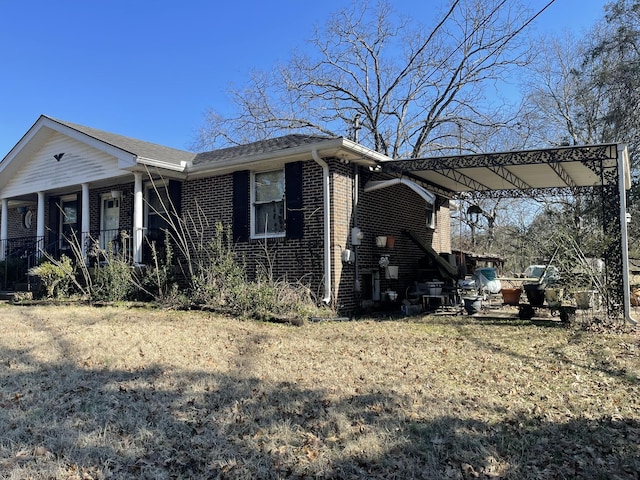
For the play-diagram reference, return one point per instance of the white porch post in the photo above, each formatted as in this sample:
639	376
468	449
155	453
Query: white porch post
4	228
86	220
137	217
40	223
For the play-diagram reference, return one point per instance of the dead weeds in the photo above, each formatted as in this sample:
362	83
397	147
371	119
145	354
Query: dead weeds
91	393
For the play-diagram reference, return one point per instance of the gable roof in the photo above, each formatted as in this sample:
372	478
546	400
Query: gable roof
139	148
132	154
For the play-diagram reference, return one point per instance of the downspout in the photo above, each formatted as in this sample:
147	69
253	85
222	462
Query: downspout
622	155
326	189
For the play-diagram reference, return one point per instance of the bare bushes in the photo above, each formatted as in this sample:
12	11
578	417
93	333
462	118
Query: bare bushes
220	282
196	268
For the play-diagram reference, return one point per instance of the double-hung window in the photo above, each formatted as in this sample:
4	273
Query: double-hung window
268	204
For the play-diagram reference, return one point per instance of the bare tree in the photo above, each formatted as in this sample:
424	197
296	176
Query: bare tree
413	89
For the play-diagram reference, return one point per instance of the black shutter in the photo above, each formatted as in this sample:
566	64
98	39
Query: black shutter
240	222
293	194
54	224
175	196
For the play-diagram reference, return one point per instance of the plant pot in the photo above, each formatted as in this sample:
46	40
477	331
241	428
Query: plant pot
534	293
391	272
381	241
553	296
511	296
391	241
584	299
472	304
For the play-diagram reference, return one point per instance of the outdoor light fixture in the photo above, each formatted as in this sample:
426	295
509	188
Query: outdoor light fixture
116	194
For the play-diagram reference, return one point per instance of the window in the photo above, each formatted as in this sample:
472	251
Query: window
68	220
268	204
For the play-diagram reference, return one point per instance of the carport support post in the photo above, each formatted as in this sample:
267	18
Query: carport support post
615	229
624	240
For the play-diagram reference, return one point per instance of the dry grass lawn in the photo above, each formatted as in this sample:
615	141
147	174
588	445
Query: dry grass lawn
89	393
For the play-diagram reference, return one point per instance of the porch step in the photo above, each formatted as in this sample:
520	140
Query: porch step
7	296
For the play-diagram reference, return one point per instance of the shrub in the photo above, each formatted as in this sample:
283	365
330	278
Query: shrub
56	277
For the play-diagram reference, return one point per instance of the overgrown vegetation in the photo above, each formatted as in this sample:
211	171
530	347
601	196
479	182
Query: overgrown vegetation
125	393
205	273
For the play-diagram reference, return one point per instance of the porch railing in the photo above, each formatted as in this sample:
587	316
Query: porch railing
22	253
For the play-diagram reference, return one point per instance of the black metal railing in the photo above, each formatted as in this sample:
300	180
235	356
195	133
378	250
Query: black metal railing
23	253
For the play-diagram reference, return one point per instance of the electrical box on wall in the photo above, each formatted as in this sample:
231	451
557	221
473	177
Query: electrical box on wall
356	236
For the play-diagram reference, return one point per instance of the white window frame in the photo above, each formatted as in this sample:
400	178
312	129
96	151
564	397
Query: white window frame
66	199
257	235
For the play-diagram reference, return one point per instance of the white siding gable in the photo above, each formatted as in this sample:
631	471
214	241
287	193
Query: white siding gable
40	171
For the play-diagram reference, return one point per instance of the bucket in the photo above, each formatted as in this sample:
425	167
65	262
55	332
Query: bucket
553	296
391	241
391	272
381	241
511	296
472	304
535	294
434	288
584	299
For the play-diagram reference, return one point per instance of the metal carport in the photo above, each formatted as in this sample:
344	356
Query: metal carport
597	169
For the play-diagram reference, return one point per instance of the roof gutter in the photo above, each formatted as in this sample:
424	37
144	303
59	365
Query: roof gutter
428	197
326	191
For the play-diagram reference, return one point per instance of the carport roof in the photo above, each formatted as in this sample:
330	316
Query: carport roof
517	173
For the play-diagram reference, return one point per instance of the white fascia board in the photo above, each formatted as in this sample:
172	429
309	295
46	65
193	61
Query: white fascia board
340	148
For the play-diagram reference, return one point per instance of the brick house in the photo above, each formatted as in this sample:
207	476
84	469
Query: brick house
315	204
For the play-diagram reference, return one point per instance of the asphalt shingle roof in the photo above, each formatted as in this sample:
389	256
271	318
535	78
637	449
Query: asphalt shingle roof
133	145
256	148
218	157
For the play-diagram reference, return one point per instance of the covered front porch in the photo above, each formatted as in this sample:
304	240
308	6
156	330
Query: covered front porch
69	189
125	219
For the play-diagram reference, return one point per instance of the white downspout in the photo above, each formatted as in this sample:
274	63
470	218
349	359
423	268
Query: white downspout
326	188
622	156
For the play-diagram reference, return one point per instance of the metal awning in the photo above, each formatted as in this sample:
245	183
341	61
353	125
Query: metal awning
604	168
517	173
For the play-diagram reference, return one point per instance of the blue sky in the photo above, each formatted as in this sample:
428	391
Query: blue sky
150	68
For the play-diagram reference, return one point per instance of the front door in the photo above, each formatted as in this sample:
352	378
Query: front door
110	223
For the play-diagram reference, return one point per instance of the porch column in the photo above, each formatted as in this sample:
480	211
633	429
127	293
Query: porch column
137	217
40	224
86	220
4	228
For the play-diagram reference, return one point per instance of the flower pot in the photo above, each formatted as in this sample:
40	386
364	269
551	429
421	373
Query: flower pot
391	241
534	293
391	272
381	241
511	296
472	304
553	296
584	299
